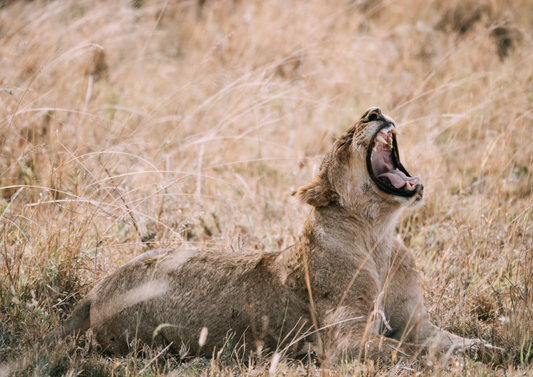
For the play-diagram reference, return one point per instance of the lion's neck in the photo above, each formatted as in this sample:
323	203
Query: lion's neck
359	226
333	235
331	232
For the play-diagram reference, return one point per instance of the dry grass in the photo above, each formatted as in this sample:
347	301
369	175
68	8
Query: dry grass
129	125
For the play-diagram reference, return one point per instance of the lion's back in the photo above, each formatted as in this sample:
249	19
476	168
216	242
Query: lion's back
179	292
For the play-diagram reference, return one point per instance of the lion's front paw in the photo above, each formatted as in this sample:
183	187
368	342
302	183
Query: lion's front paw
478	349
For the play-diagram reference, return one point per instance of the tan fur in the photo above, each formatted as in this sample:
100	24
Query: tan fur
364	293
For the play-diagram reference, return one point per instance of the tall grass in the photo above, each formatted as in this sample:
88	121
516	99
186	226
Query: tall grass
130	125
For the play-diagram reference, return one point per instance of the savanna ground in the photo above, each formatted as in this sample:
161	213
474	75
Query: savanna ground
130	125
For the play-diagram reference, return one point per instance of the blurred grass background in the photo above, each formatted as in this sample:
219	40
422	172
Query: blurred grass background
130	125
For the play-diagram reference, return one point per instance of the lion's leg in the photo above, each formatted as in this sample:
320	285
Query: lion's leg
356	337
405	311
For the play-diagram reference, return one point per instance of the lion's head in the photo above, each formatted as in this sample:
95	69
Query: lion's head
363	169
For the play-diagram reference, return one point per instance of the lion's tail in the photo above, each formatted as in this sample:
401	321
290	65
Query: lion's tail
77	323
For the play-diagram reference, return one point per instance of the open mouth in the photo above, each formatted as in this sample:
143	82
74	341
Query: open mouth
385	168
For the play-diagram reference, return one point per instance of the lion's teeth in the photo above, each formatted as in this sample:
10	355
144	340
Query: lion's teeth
375	148
408	186
395	131
380	139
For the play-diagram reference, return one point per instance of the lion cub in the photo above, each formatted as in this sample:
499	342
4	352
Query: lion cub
348	287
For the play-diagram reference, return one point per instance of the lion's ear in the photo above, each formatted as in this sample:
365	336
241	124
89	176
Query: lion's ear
316	193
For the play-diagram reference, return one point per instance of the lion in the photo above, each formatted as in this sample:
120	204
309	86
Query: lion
347	288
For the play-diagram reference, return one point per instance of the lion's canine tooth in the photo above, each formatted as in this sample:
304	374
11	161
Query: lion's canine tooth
375	148
380	139
408	186
395	131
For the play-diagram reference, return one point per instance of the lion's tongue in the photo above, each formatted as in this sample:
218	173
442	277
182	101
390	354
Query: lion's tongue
398	178
383	167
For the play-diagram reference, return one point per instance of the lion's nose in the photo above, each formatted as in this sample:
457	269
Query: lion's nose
375	110
372	114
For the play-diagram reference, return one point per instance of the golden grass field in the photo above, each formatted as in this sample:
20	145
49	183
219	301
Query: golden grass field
130	125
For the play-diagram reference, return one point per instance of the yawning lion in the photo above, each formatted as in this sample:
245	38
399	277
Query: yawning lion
347	288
